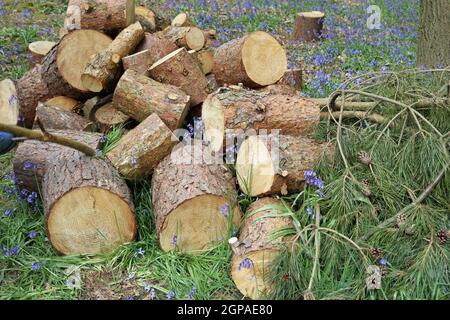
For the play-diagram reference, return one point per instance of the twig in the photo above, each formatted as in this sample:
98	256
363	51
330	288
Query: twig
46	137
374	117
316	249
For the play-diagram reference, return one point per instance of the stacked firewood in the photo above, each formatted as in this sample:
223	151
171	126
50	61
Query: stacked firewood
117	64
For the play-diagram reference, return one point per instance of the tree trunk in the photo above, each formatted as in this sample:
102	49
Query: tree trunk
193	201
38	50
103	68
256	248
58	119
434	34
237	110
32	156
191	38
107	117
139	96
256	60
88	207
9	104
308	26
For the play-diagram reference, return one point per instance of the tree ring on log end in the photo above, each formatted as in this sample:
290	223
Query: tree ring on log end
195	39
311	14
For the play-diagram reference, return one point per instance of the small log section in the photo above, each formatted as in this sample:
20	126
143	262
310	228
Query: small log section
103	15
293	78
140	61
88	207
191	38
9	104
38	50
159	47
188	195
64	103
107	117
146	18
256	248
64	64
32	156
182	20
180	69
308	26
103	68
58	119
276	164
256	60
139	96
140	151
205	59
238	109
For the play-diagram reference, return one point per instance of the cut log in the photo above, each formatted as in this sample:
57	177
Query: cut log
102	15
64	64
308	26
210	36
32	156
293	78
193	201
107	117
88	207
236	110
58	119
256	60
205	59
191	38
140	151
182	20
159	47
38	50
276	164
146	18
9	104
180	69
103	68
257	247
31	89
139	62
139	96
64	103
282	89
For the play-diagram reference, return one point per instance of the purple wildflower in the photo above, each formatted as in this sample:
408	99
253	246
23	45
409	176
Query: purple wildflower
147	288
192	293
8	213
32	234
36	265
29	166
174	240
246	263
170	295
140	252
225	210
383	261
133	162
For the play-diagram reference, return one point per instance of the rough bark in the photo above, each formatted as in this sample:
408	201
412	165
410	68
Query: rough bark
9	104
139	62
139	96
58	119
180	69
434	37
308	26
88	207
32	156
281	89
107	117
38	50
159	47
104	67
188	194
191	38
140	151
293	78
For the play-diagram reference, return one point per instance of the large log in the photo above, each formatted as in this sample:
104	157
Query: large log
64	103
32	156
140	151
257	247
276	163
38	50
64	64
158	47
255	60
103	68
107	117
9	104
88	207
102	15
308	26
191	38
230	110
180	69
193	201
139	96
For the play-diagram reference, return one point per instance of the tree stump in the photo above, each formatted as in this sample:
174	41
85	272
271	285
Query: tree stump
64	103
256	60
32	156
191	38
257	248
141	149
9	104
180	69
88	207
308	26
38	50
103	68
107	117
193	201
58	119
276	164
139	96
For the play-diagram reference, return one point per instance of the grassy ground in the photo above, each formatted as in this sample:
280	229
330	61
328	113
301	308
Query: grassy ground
405	161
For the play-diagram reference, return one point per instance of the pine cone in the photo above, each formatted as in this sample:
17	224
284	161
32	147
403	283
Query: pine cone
364	158
401	220
442	236
376	253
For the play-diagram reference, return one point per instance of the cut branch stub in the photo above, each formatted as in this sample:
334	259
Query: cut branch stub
258	247
182	20
308	26
191	38
193	201
256	60
9	104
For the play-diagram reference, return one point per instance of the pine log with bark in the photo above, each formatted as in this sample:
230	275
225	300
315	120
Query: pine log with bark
193	201
191	38
9	104
107	117
159	47
88	207
257	247
308	26
139	96
140	61
58	119
103	68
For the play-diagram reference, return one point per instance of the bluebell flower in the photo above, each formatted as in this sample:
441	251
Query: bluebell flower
225	210
174	240
192	293
147	288
8	213
29	166
139	252
383	261
170	295
32	234
246	263
36	265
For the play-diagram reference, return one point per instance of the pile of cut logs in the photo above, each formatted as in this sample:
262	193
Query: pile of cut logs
120	65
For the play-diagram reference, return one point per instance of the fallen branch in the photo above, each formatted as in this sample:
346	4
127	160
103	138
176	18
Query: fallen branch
375	117
348	105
